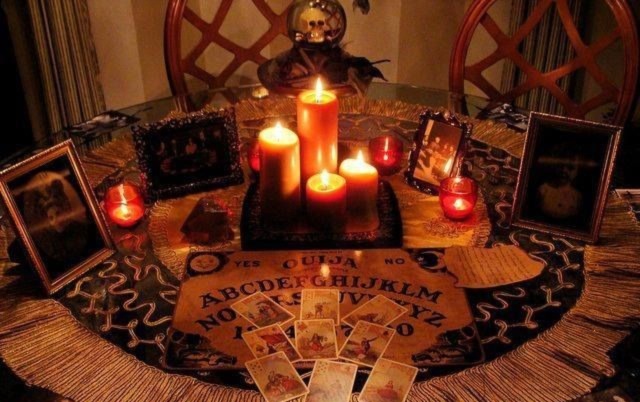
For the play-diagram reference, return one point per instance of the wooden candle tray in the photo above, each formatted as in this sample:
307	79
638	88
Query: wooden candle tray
302	236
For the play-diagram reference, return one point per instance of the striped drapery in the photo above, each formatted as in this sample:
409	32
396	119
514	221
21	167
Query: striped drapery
67	61
546	48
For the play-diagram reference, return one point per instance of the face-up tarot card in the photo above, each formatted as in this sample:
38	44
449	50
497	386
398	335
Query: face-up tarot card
261	311
379	310
367	343
331	381
276	378
320	304
316	339
270	340
389	381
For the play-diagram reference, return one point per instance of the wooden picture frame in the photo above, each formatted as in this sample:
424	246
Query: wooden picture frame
197	152
439	146
564	176
56	216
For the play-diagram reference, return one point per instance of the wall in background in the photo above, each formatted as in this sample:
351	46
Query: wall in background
416	35
129	39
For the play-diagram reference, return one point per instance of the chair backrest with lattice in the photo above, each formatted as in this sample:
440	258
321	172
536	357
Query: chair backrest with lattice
208	35
584	57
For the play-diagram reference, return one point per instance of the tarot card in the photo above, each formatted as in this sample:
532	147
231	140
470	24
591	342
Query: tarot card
367	343
270	340
276	378
316	339
332	381
380	310
389	381
319	304
261	311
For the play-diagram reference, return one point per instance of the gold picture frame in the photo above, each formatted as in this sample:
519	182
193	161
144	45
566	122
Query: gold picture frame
56	216
564	176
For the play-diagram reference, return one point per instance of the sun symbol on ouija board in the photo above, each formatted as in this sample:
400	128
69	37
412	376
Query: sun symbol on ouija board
204	263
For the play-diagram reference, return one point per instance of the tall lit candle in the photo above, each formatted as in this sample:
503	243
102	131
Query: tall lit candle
327	201
362	193
318	130
279	174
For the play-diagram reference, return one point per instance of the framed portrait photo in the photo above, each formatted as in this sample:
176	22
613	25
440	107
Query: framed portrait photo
564	176
197	152
438	149
55	215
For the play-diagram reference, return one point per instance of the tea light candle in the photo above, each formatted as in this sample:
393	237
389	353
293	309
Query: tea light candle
386	154
458	197
362	191
124	205
327	201
317	113
279	174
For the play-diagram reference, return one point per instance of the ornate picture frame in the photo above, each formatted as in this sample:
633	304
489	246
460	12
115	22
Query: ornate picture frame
197	152
56	216
564	176
438	148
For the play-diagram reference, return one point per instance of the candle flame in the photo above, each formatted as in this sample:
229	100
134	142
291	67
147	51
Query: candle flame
278	131
458	204
447	167
125	211
360	157
324	179
318	90
386	144
121	191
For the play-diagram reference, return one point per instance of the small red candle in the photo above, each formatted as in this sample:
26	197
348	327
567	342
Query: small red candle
124	205
386	154
458	196
253	155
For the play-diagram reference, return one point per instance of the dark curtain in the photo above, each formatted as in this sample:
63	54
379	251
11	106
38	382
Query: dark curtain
546	48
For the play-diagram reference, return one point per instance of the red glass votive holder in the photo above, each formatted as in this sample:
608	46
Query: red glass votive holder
386	153
253	155
124	204
458	197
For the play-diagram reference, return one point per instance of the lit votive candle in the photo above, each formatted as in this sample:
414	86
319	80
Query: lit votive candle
317	114
386	154
458	197
279	175
124	205
327	201
362	192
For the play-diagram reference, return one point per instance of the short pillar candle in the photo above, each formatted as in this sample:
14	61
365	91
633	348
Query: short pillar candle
279	175
317	114
327	201
362	192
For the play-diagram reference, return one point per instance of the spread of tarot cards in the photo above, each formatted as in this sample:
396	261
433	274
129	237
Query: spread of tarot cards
339	311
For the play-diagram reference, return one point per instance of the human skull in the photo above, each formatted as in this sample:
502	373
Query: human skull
313	25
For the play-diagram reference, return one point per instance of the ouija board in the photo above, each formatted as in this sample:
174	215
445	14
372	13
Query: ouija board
206	333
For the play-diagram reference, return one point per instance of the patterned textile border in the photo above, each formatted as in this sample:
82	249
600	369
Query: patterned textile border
46	346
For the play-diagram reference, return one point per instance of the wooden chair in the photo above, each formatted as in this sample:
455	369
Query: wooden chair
178	67
585	57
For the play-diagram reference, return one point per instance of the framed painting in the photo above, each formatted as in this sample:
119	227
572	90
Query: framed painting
194	153
56	216
564	176
438	149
